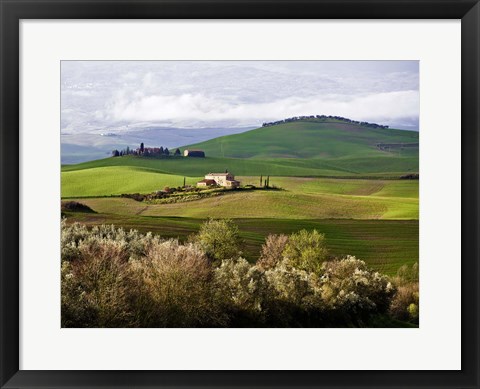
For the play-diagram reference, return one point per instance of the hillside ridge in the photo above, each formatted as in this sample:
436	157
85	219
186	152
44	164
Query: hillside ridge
316	138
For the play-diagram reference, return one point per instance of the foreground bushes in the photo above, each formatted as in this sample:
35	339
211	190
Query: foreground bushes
114	278
172	288
405	305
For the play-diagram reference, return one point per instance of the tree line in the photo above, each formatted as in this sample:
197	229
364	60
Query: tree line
142	151
322	118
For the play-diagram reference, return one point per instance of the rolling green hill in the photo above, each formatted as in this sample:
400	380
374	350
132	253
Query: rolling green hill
313	140
373	166
301	149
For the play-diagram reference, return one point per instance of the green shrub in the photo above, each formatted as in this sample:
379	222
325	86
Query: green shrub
75	206
407	274
413	312
219	239
306	250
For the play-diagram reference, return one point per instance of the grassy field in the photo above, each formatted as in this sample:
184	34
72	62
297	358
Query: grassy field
302	198
281	204
338	186
115	180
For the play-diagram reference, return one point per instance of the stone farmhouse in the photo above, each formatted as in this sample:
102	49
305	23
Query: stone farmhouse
194	153
226	180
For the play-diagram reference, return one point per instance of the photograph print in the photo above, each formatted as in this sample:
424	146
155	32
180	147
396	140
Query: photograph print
227	194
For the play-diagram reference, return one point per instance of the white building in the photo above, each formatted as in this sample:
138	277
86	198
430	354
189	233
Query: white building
221	179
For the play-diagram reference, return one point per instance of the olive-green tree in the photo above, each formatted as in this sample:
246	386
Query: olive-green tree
306	250
219	239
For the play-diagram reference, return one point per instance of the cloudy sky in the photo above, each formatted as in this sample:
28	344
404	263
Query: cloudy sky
111	95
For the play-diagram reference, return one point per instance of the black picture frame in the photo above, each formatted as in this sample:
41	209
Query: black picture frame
12	11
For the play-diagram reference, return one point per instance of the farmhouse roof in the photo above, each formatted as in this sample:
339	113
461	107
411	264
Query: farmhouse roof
219	174
207	181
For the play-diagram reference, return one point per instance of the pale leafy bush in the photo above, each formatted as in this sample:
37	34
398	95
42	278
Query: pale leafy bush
272	251
75	235
70	238
242	290
294	298
172	287
95	287
348	285
290	286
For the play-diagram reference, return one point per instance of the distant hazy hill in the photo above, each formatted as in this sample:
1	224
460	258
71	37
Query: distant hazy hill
333	139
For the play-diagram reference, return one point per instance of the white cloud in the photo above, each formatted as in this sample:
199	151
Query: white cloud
79	93
197	109
129	76
147	80
98	95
